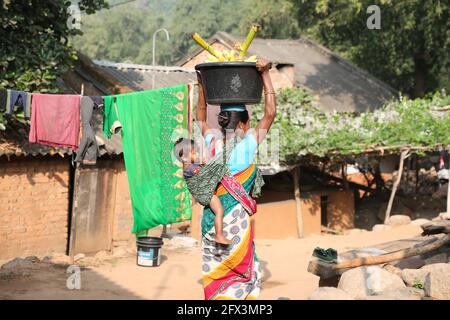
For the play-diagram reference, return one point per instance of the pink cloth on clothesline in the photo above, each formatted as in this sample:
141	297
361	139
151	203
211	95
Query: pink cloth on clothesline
55	120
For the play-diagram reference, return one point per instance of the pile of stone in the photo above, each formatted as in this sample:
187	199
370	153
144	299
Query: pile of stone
424	276
401	220
390	283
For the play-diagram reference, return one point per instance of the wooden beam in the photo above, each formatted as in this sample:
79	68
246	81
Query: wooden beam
337	179
298	202
397	255
403	156
436	227
76	182
327	270
448	189
344	175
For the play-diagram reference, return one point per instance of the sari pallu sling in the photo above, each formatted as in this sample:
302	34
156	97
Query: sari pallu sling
204	184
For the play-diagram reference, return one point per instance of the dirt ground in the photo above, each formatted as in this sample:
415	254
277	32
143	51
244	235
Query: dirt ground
179	276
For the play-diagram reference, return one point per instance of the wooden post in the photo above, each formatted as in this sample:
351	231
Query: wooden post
344	175
403	156
416	164
76	182
407	175
448	189
298	202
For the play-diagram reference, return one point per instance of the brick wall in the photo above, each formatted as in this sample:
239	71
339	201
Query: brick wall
33	206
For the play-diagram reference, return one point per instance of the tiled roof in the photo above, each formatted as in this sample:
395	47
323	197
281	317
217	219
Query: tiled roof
14	141
140	77
335	83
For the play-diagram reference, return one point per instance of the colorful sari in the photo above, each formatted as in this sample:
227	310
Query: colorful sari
232	272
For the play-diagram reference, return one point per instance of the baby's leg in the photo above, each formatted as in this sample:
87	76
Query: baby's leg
217	208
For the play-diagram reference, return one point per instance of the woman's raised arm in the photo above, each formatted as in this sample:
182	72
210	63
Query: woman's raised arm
201	106
270	107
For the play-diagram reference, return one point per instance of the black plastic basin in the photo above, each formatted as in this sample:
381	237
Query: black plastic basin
231	82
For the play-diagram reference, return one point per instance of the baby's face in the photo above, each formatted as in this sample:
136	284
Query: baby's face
196	156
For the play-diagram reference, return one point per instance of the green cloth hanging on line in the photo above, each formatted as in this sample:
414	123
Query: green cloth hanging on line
151	122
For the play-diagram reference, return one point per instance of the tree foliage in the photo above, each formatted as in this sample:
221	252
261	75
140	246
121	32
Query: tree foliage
35	47
124	33
304	130
411	51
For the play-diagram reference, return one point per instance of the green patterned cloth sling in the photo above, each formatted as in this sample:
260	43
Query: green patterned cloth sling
204	183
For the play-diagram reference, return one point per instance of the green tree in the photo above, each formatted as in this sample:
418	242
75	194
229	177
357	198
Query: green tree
276	17
410	51
124	33
34	42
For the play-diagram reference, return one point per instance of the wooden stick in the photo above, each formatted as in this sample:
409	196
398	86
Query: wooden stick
416	164
396	183
344	175
407	176
448	190
298	202
398	255
446	108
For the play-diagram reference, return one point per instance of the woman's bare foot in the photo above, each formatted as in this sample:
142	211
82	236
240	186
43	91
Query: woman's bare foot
222	240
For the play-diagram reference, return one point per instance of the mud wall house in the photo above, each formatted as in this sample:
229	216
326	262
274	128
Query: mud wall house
48	205
34	192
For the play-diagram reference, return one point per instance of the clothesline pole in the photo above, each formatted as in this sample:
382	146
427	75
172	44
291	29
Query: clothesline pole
403	156
75	202
448	187
74	210
298	202
154	51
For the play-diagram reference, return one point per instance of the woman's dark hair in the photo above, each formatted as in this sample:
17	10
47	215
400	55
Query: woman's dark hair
230	119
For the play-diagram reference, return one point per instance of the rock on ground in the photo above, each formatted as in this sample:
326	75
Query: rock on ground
420	221
79	257
414	276
437	281
409	263
381	227
58	259
182	242
436	258
329	293
399	294
398	208
17	263
393	269
398	220
366	281
101	255
120	252
442	216
355	231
